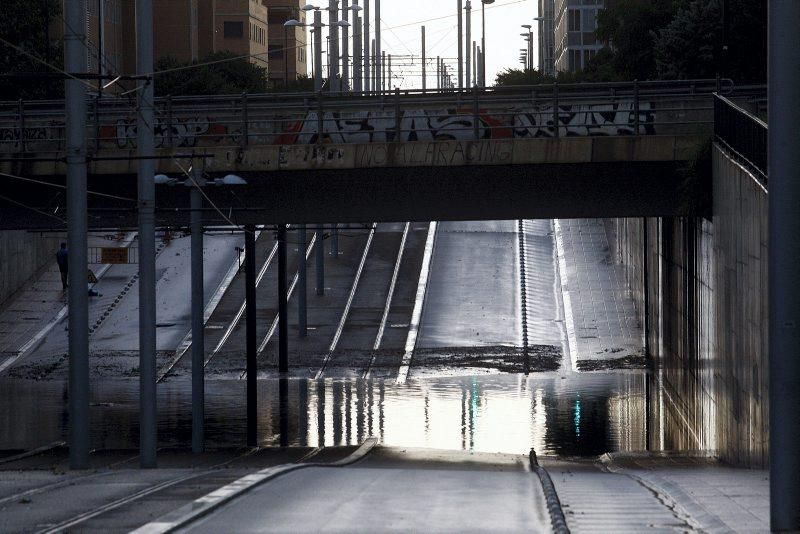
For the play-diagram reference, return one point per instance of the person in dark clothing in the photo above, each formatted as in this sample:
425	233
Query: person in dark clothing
62	258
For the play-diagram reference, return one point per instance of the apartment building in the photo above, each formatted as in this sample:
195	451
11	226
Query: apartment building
574	25
546	36
292	63
237	26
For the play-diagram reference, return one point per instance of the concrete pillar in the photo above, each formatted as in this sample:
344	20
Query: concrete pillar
784	258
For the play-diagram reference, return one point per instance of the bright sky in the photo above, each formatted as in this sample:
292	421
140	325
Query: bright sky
402	20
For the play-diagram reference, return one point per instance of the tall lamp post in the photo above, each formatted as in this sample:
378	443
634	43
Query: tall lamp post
529	29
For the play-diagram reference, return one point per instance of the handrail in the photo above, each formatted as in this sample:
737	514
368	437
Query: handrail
742	133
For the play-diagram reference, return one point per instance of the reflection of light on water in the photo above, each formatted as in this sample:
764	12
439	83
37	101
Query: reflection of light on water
492	413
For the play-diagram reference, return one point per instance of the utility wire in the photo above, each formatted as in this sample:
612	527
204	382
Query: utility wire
59	186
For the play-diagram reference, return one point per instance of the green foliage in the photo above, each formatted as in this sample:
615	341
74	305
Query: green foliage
25	23
522	77
219	73
629	26
691	45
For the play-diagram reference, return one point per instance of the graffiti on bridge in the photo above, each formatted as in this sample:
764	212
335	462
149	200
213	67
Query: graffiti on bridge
359	127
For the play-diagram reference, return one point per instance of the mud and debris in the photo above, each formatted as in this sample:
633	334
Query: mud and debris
630	361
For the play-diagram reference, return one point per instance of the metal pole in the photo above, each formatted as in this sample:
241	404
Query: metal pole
286	57
474	63
335	242
468	40
250	335
148	411
198	338
283	317
438	73
320	257
483	44
784	257
333	33
77	227
346	47
374	67
530	49
378	51
367	42
358	55
101	36
317	38
388	72
460	45
424	73
302	281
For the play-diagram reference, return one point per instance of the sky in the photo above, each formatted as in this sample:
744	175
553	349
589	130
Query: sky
402	20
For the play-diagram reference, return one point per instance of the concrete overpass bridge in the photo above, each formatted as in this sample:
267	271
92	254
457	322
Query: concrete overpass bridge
520	152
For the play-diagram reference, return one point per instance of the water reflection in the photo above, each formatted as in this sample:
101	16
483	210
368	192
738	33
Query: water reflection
577	415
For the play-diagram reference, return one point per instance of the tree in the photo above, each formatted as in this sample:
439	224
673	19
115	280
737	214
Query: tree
629	27
218	73
26	25
522	77
691	45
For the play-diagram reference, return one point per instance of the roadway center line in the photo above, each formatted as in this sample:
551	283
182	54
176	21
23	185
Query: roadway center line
389	298
347	306
419	302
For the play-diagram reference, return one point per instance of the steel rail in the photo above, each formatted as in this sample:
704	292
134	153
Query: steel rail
85	516
274	324
343	320
392	285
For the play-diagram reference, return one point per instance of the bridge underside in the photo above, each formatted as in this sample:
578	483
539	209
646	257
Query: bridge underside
491	192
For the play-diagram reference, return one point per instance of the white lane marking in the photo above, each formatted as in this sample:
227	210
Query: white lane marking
216	297
569	319
201	507
62	313
416	316
389	298
242	308
349	303
274	325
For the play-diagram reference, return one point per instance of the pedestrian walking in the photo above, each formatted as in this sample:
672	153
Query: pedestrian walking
62	258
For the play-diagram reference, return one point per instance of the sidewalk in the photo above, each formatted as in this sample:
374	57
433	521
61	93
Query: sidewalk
38	305
601	323
662	492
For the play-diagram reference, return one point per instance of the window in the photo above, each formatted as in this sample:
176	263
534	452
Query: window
233	30
589	20
574	20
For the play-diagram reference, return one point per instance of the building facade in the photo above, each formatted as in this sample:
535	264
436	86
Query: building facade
288	56
574	25
546	36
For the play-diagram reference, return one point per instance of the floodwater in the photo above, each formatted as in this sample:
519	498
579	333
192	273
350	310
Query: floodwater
565	414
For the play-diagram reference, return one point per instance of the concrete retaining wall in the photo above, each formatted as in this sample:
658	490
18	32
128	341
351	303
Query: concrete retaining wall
22	255
705	315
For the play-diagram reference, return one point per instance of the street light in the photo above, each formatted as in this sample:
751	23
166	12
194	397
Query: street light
530	44
195	180
316	38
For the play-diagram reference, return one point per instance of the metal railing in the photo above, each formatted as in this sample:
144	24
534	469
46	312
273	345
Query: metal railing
555	110
742	133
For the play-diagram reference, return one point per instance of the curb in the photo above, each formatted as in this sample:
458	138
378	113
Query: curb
203	506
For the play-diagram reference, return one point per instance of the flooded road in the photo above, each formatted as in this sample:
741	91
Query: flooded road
555	414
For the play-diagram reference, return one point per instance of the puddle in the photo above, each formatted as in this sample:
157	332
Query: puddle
574	414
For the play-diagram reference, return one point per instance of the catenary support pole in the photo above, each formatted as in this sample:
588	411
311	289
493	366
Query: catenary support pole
483	44
374	67
784	257
438	73
460	44
283	316
388	72
333	34
317	37
378	45
148	410
468	45
358	51
250	335
367	55
77	227
319	247
345	47
302	282
424	73
197	298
